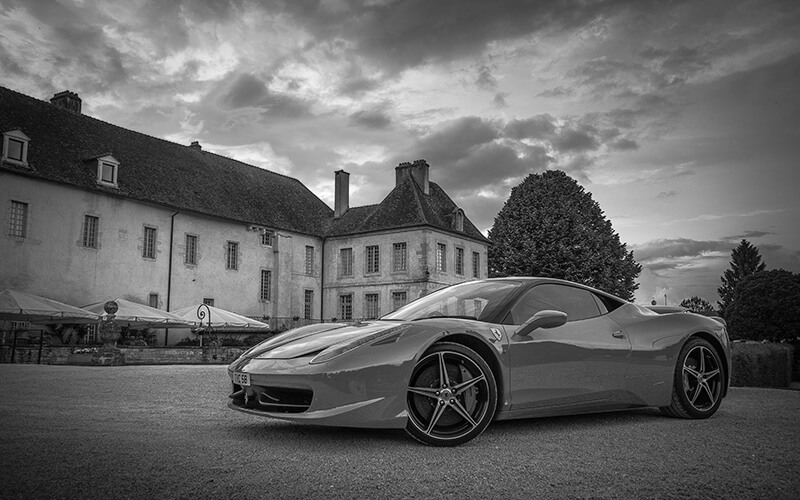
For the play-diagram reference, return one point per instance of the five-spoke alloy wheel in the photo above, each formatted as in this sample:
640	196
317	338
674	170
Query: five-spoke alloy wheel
452	396
699	381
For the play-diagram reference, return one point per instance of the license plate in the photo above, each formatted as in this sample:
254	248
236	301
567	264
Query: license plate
242	379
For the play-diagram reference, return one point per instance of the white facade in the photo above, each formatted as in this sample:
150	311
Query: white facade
53	259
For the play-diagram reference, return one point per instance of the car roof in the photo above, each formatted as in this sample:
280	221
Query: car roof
541	279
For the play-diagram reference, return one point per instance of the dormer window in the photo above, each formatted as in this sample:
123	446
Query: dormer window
15	147
107	170
458	220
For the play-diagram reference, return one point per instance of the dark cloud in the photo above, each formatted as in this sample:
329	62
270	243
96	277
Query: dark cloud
624	144
667	194
671	250
676	64
747	235
577	140
245	90
605	76
371	119
358	85
485	79
559	91
500	99
355	83
456	139
400	34
536	127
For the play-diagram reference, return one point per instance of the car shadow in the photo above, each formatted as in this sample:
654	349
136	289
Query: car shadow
299	433
586	420
274	431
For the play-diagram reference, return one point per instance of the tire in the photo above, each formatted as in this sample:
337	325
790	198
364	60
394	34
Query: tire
698	383
452	396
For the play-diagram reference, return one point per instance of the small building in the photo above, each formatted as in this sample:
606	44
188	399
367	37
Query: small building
95	211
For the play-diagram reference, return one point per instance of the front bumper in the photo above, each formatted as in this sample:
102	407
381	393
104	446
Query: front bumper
357	395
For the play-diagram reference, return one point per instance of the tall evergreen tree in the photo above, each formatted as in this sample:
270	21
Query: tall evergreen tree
745	260
551	227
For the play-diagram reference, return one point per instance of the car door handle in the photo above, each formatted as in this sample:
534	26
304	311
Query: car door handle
618	334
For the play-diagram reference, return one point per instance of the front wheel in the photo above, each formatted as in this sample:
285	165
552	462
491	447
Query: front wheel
699	381
452	396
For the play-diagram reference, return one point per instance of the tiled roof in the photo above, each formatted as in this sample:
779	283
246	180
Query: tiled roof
405	206
64	143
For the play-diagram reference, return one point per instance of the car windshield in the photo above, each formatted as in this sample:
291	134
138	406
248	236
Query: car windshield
477	300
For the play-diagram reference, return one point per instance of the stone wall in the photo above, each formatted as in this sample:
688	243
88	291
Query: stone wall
97	356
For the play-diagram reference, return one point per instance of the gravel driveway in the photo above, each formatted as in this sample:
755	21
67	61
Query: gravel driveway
165	432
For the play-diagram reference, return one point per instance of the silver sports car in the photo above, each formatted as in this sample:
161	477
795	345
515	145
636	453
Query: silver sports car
446	365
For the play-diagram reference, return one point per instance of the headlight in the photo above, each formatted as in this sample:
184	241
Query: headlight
337	350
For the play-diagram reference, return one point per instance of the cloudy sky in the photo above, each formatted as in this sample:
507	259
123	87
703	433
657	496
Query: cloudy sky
681	118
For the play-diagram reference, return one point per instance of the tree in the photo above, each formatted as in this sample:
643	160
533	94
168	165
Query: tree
551	227
698	305
745	260
766	306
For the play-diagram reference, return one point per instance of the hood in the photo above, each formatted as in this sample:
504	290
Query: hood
312	339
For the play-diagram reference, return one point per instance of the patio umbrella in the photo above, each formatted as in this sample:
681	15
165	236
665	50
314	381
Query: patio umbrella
221	320
20	306
135	315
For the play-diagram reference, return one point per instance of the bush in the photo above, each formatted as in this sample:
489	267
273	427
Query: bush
188	342
757	364
256	338
766	306
231	342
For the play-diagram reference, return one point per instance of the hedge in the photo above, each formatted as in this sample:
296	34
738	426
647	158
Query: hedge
757	364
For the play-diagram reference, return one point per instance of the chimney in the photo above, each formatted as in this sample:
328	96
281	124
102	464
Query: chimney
419	171
341	201
195	145
67	99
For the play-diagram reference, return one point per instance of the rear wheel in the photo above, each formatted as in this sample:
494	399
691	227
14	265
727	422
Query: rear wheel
699	381
452	396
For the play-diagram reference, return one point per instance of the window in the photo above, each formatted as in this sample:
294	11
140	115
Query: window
149	243
152	300
346	307
476	265
399	299
373	259
232	256
267	237
371	306
15	147
107	170
441	257
18	220
308	304
346	262
90	227
458	220
91	334
576	302
309	260
208	302
399	257
459	261
266	285
191	250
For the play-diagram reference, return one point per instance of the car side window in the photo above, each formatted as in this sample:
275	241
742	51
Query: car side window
576	302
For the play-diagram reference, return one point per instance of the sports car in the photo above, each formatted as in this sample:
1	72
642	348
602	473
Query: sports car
446	365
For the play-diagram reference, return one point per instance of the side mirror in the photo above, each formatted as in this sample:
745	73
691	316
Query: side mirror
543	319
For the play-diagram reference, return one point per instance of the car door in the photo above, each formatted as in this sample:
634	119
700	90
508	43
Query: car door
581	363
